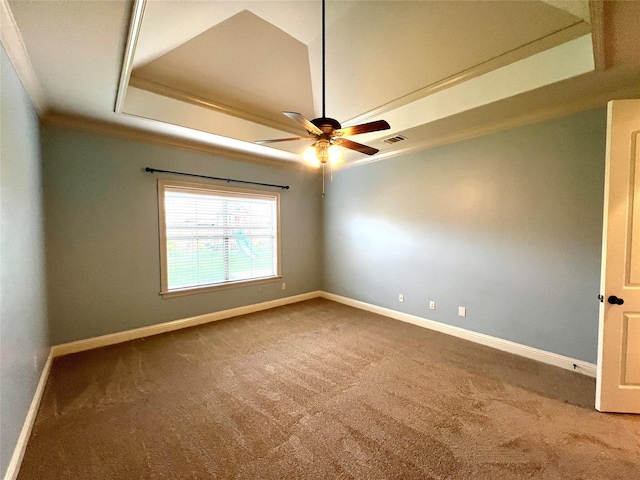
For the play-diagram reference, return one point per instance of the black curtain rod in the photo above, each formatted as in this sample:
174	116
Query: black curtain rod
228	180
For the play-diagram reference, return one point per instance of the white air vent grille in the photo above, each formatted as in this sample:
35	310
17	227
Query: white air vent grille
394	139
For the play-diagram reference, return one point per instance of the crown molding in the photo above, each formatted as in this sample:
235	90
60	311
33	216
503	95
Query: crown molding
166	91
99	127
536	116
127	62
554	39
17	52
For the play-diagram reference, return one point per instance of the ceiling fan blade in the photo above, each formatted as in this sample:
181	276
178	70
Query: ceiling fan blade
302	120
262	142
358	147
363	128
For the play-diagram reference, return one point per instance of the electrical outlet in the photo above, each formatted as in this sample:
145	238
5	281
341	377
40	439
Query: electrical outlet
284	286
432	305
401	298
462	311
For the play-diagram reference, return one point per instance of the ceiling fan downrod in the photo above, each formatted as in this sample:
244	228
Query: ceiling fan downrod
327	133
324	97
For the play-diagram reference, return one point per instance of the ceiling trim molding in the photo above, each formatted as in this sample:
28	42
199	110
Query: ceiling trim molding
557	64
17	52
596	11
84	124
127	63
170	92
537	116
552	40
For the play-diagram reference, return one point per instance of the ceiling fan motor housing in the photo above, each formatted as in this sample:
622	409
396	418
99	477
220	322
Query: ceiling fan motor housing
327	125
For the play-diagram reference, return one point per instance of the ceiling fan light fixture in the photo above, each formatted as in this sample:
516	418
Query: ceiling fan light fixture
335	154
310	157
322	150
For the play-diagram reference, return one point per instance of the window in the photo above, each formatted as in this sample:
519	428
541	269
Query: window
213	237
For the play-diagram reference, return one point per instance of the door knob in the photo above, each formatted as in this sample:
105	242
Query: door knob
613	300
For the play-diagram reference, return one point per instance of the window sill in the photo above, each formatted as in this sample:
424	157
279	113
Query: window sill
222	286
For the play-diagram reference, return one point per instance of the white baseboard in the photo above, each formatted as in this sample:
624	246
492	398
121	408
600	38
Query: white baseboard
119	337
561	361
21	445
481	338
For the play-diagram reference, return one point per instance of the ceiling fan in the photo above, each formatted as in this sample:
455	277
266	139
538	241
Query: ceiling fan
327	132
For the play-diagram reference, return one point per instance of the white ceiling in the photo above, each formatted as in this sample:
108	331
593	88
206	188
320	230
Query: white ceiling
218	73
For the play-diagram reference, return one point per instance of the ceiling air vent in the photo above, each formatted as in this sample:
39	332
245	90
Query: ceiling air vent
395	139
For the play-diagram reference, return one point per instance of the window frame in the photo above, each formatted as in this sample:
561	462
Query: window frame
191	290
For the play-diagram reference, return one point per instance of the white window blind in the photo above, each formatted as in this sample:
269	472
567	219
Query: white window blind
215	236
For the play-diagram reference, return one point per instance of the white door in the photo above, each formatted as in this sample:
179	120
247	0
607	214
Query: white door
618	381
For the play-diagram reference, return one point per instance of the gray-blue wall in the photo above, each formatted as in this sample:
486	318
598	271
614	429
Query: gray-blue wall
103	256
23	311
508	225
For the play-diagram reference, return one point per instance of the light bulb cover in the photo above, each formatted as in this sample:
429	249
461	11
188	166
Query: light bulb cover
335	154
322	150
310	157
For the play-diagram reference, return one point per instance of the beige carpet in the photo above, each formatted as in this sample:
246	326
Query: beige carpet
319	390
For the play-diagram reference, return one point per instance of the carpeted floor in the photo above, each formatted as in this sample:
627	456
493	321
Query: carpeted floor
320	390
